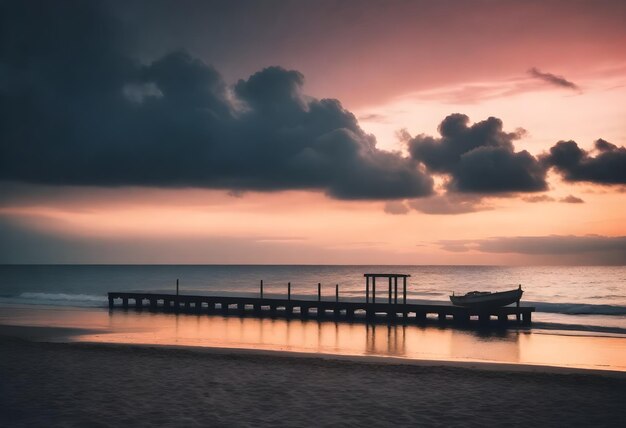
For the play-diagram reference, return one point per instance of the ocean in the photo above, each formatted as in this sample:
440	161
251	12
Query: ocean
581	298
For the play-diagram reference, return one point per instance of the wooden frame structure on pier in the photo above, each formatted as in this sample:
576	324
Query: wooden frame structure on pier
393	293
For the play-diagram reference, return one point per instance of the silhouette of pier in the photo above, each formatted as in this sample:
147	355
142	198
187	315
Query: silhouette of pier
370	309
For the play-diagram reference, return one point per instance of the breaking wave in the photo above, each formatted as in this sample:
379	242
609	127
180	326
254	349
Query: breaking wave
578	308
58	299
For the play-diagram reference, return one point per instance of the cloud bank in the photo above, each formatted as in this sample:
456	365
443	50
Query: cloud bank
608	166
78	108
594	249
479	158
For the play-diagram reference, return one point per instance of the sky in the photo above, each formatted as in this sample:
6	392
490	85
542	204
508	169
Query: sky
327	132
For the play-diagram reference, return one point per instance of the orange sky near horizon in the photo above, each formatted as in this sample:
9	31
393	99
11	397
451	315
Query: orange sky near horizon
305	227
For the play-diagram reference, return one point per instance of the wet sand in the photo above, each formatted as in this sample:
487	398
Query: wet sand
52	384
517	347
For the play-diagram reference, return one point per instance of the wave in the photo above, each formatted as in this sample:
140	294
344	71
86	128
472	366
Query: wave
578	329
578	308
58	299
428	293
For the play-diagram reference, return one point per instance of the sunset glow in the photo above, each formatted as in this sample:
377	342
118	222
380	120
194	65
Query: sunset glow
114	196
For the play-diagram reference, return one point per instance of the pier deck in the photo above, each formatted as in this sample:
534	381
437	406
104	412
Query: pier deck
343	310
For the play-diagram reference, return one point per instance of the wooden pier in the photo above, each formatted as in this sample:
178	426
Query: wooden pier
370	309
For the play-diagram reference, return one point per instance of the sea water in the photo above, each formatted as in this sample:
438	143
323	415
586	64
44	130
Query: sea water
580	298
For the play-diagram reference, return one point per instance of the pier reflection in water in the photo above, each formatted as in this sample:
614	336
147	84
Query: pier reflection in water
385	340
295	335
429	342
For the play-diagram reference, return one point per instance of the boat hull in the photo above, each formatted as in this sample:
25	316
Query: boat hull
489	300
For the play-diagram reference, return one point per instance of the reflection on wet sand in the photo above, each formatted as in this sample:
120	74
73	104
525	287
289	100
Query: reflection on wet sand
406	341
487	345
328	337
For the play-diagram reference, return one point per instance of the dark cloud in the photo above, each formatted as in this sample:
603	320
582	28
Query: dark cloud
537	198
479	158
553	79
449	204
571	199
608	166
592	248
396	208
373	117
78	108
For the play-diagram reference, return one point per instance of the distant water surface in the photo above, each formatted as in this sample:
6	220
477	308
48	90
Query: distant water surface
585	298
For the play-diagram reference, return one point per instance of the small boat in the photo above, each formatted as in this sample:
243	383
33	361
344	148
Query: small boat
487	299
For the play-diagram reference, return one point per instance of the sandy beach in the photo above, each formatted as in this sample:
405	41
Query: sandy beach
70	384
